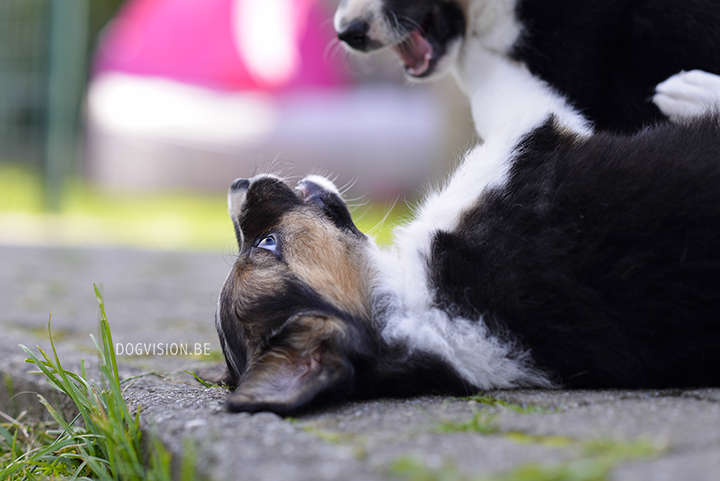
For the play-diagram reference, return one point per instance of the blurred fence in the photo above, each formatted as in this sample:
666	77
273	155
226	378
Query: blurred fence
23	80
43	52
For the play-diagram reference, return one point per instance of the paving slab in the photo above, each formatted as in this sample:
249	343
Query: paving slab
156	300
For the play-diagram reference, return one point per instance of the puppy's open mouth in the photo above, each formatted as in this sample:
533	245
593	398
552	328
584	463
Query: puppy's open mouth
421	33
416	51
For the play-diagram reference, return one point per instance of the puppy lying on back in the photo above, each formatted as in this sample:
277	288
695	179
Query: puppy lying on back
553	256
605	57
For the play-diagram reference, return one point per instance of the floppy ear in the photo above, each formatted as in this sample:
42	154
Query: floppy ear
306	364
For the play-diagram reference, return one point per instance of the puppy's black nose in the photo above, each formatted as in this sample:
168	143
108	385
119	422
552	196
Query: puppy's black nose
239	184
355	34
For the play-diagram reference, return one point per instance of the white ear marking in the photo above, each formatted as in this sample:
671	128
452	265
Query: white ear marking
322	182
236	196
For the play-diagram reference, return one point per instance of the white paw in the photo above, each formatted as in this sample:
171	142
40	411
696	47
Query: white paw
688	94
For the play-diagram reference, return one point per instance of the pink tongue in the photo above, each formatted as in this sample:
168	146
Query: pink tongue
415	53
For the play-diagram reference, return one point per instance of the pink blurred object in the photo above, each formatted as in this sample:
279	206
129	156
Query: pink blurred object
269	45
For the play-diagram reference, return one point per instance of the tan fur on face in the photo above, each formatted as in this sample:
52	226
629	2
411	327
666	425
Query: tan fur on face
327	259
306	336
330	261
250	281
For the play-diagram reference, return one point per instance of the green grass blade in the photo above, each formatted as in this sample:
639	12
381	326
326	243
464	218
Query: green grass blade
106	336
6	435
107	445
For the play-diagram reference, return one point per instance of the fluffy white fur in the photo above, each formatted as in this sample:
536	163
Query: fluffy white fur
493	25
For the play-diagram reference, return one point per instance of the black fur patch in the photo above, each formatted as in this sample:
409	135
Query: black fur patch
266	202
607	57
602	256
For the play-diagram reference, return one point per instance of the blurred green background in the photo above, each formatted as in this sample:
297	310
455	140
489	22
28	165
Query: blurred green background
155	220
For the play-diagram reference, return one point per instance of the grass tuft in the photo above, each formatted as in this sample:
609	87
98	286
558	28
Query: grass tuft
103	441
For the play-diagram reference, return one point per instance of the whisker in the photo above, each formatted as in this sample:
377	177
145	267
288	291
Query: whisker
359	65
256	166
321	171
230	252
330	51
344	53
381	224
394	25
342	49
287	165
357	218
272	164
277	165
291	179
327	22
414	24
358	202
396	28
348	185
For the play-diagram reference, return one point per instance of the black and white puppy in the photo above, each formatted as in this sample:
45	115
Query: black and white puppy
604	56
553	256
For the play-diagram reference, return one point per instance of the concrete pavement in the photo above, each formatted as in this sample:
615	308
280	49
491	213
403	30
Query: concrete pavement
157	300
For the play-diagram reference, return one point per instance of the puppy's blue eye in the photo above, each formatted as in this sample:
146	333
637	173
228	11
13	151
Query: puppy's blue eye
268	243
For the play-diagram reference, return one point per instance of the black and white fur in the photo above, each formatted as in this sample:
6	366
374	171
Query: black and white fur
553	256
605	57
573	245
